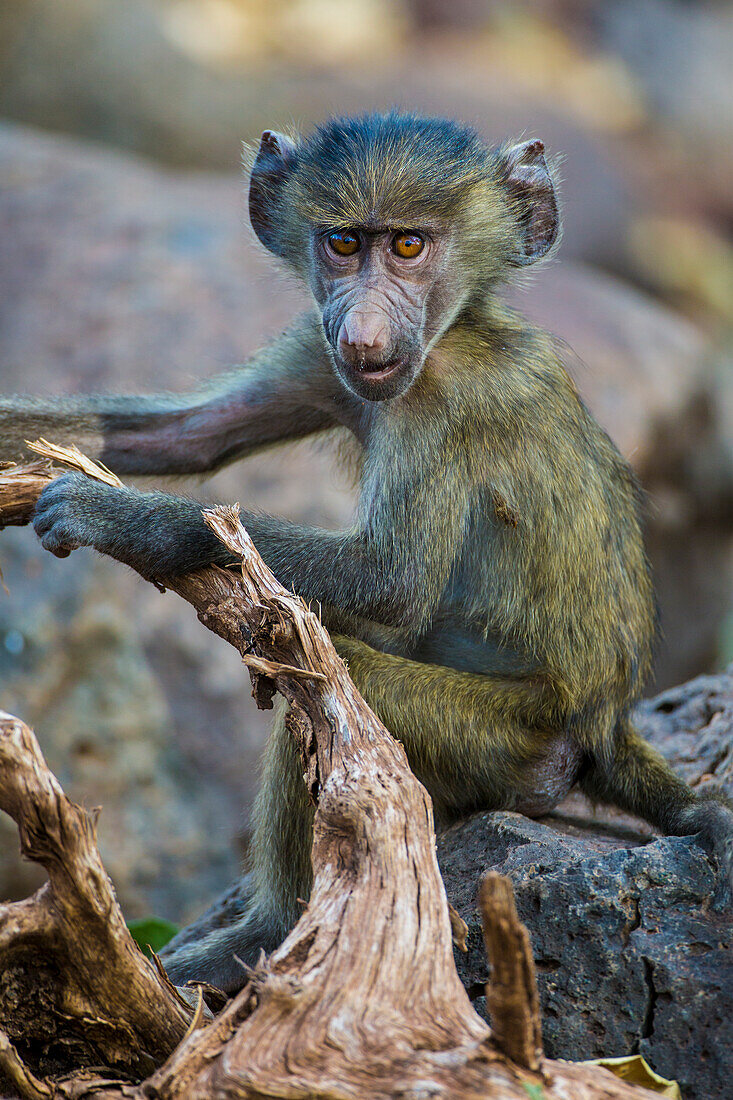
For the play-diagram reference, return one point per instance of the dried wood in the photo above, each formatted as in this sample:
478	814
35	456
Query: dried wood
72	456
71	972
21	485
362	999
511	994
18	1074
20	488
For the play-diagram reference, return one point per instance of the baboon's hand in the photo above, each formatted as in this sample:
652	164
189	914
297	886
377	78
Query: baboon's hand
73	511
156	534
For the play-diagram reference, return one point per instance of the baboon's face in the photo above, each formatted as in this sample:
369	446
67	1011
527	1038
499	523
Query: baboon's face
379	290
396	222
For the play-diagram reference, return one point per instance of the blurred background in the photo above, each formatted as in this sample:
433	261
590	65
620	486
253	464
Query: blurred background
126	263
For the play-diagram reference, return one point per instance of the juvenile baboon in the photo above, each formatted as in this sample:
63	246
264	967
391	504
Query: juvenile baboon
493	598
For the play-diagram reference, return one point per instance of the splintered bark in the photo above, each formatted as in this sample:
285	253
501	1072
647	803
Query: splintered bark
511	995
72	976
362	999
20	487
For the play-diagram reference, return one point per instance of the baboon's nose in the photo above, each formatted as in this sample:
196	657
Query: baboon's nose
363	334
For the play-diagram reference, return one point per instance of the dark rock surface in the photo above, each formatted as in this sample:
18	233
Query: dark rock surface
692	725
632	936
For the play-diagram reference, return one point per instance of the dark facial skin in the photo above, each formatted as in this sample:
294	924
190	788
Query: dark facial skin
379	292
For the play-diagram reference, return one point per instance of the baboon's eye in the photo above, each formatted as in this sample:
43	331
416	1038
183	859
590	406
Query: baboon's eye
344	243
408	245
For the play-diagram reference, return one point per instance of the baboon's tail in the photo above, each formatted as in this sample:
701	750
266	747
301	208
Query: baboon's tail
633	776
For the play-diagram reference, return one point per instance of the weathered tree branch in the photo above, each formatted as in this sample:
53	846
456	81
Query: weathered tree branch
21	485
20	488
362	999
65	954
20	1077
511	994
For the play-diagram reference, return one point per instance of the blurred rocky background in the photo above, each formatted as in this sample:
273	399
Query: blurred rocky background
126	263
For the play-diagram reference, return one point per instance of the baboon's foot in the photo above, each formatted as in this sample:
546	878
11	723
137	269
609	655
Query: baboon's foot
224	940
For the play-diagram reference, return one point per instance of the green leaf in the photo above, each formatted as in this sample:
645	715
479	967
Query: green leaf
152	932
534	1092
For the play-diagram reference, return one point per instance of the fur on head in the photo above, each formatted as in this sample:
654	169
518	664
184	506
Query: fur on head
397	170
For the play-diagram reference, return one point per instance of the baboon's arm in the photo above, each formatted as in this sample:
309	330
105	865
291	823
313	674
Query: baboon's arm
284	392
392	566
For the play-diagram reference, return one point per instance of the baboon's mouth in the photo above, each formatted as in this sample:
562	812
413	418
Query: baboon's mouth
378	372
375	381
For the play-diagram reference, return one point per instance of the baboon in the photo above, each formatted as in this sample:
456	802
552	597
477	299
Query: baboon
493	598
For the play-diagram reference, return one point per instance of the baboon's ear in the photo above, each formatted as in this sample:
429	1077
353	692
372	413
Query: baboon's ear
526	176
273	164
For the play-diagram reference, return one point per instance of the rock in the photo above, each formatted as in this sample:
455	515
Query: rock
692	725
633	940
687	81
122	72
